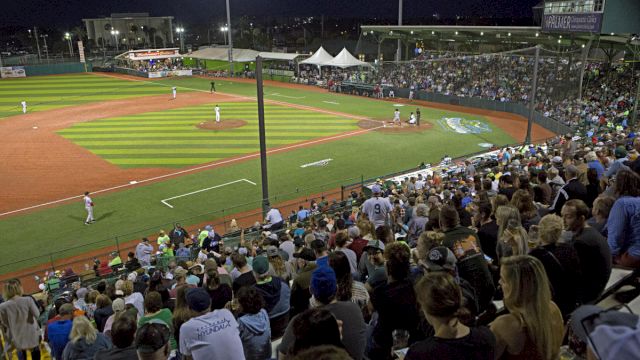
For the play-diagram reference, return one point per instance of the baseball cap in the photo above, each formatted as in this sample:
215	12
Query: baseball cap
376	189
118	304
208	227
556	159
152	336
198	299
260	265
323	283
610	331
305	254
374	244
620	152
272	251
440	258
318	245
273	236
298	241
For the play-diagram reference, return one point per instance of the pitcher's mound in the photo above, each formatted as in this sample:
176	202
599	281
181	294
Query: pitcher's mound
390	127
222	125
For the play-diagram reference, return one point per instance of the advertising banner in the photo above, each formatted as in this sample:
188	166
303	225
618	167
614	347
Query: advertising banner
81	51
12	72
591	23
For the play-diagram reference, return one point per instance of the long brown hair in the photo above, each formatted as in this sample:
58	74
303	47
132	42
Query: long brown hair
627	183
340	264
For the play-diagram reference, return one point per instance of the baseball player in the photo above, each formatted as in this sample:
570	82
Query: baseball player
24	107
217	108
412	119
174	91
213	86
377	208
418	116
396	117
88	205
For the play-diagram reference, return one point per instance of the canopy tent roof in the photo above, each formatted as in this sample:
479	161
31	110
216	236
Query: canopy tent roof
320	57
149	54
222	53
279	56
344	60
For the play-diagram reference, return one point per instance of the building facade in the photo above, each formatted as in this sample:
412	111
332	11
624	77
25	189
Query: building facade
131	30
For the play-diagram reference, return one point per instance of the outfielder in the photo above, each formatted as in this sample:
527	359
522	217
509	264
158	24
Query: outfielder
24	107
174	90
217	108
88	205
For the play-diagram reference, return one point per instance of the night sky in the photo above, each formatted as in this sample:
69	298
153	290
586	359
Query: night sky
69	12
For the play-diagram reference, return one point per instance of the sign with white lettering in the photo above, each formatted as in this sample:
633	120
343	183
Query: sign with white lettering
591	23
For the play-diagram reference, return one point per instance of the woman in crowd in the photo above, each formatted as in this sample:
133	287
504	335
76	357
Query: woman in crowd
623	224
440	299
154	311
181	313
90	300
561	263
523	201
512	237
348	289
417	224
103	311
131	297
255	331
220	294
84	341
533	328
315	327
280	268
19	321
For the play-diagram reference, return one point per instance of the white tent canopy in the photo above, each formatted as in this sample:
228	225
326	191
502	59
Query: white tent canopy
344	60
222	53
279	56
320	57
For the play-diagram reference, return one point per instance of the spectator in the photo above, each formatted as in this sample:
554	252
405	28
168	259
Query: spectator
103	311
319	248
85	341
118	308
440	299
132	263
59	330
357	242
178	234
512	237
373	265
131	297
377	208
254	325
18	323
464	244
315	327
155	312
545	187
533	328
487	230
417	224
277	266
245	277
348	289
623	224
395	303
523	201
573	189
276	294
220	294
323	352
561	264
594	254
621	157
601	209
300	293
152	342
341	246
594	189
123	333
273	221
209	335
143	252
181	313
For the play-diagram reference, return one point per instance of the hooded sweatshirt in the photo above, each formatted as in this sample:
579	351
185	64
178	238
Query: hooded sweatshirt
81	350
276	296
256	335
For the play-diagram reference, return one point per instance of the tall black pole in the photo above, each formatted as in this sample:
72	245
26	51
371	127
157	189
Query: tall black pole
230	40
532	99
262	135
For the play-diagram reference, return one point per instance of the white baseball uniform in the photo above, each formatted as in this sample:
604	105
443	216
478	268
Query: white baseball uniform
24	107
412	119
174	90
88	205
396	116
217	114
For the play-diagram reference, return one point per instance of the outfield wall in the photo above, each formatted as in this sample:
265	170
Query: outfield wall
54	69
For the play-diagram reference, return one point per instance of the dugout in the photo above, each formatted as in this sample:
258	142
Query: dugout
152	63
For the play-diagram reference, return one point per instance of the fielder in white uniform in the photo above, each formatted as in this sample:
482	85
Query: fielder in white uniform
88	205
24	107
174	90
217	113
396	116
412	119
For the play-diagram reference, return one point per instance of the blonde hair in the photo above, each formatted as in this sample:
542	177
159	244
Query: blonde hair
528	297
82	329
510	226
12	288
550	228
127	287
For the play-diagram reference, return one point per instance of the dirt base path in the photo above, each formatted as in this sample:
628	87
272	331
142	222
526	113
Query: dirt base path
39	165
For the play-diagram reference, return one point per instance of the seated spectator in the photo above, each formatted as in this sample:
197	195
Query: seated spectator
154	311
315	327
533	328
357	242
417	224
276	294
601	209
152	342
131	297
59	330
440	299
85	341
323	352
561	264
341	246
623	224
245	277
123	333
300	293
278	267
348	289
487	230
394	302
573	189
220	294
592	249
512	237
118	307
255	331
210	335
523	201
181	312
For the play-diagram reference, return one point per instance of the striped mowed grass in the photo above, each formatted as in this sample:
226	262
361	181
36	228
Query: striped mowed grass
171	138
50	92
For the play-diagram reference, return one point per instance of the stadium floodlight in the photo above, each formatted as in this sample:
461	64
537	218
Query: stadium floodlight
560	37
559	41
537	34
456	33
508	34
411	32
180	31
67	36
612	34
433	33
481	33
115	33
583	46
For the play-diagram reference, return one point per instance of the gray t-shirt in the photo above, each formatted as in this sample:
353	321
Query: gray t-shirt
377	210
353	329
214	335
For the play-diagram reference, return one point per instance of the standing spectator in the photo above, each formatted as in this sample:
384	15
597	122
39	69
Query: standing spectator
152	342
59	330
300	293
377	208
143	252
18	320
440	299
276	294
621	157
512	237
487	230
123	333
155	312
573	189
178	234
594	254
533	328
561	264
623	224
209	335
341	246
254	325
85	341
103	311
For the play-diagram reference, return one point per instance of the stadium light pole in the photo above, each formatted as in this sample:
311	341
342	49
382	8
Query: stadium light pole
223	30
67	37
262	136
115	33
532	100
399	51
180	31
230	40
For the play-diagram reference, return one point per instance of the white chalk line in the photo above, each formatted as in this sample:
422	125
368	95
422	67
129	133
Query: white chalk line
166	201
287	96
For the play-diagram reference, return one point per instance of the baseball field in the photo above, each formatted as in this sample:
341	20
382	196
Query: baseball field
150	160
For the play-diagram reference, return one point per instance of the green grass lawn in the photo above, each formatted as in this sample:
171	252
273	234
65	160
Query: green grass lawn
139	212
49	92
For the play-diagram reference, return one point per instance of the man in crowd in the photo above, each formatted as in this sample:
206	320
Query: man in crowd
144	251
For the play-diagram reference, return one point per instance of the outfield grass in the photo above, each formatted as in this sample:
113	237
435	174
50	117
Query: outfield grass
50	92
125	212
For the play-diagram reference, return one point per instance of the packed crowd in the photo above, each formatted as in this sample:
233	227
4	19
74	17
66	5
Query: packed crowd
159	65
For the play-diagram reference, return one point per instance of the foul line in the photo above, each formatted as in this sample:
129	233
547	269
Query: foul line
166	201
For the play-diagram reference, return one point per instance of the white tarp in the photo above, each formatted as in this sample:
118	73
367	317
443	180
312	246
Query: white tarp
344	60
279	56
222	53
318	58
